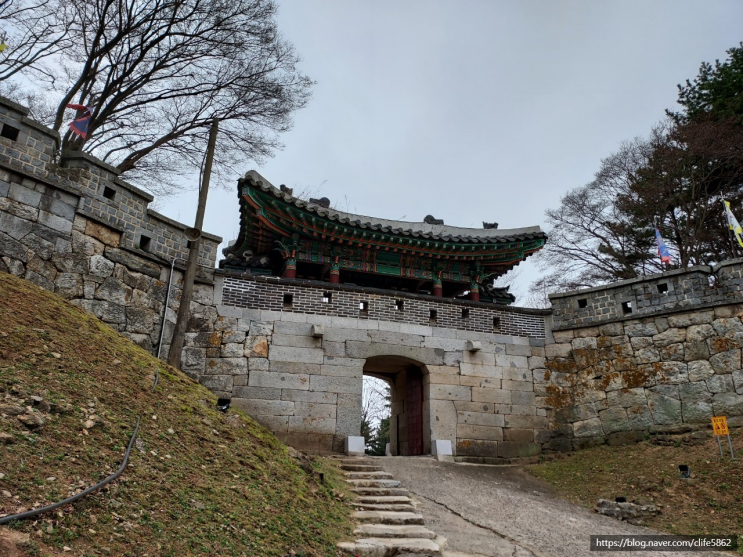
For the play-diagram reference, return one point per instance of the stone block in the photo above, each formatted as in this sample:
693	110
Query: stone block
504	360
226	366
342	371
639	417
480	418
614	419
340	385
727	404
478	357
256	347
355	445
276	424
477	448
129	260
518	350
301	424
472	381
672	352
111	290
518	435
260	328
697	350
274	380
558	350
464	406
666	410
292	367
443	419
517	374
671	336
726	325
441	447
624	438
234	337
450	392
697	333
363	350
694	392
141	320
689	319
103	233
589	428
262	407
499	396
392	337
217	383
292	328
626	398
23	194
449	344
314	410
308	396
508	385
348	414
478	370
292	354
720	384
640	330
444	379
700	370
259	364
343	335
295	341
526	422
563	336
68	285
523	398
229	311
726	362
696	412
511	449
486	433
257	393
334	349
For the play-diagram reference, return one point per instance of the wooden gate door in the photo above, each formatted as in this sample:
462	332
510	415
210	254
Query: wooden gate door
414	410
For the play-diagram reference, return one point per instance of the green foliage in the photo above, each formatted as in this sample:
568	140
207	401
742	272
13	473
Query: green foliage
717	91
379	440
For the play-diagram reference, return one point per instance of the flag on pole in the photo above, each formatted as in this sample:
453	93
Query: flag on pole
733	223
665	255
79	125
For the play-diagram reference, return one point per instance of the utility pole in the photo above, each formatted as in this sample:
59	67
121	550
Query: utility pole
184	310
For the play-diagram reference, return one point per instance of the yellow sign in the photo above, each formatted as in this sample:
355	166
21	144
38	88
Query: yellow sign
720	425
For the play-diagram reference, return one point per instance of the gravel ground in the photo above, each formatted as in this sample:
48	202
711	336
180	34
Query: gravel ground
497	511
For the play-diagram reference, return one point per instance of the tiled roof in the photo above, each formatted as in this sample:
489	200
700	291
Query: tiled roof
415	229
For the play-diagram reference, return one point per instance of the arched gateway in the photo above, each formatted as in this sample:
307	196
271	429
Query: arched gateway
310	299
410	433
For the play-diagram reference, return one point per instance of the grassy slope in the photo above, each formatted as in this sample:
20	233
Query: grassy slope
200	482
711	503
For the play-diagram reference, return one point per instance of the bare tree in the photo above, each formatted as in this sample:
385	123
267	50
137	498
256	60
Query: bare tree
33	32
156	73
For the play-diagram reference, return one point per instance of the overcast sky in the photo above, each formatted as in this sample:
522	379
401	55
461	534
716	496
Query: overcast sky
475	110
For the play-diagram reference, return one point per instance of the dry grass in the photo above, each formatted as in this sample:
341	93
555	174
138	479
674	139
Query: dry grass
710	503
200	482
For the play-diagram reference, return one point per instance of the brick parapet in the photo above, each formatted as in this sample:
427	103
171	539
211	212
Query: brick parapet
654	295
267	293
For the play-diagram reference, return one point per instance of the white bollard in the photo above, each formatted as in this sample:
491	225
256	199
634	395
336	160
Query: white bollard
355	446
441	449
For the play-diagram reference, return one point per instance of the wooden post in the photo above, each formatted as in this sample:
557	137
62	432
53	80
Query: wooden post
176	343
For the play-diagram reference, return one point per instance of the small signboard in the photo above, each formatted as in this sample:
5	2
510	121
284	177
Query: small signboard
720	428
720	425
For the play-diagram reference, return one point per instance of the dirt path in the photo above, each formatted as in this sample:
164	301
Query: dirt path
497	511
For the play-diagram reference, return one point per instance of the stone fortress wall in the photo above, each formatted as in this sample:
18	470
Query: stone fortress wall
612	364
657	354
73	227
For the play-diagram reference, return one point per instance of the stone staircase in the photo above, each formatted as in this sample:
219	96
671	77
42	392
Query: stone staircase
388	524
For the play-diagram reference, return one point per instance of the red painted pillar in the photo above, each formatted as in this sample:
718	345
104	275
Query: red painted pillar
474	292
335	272
290	271
438	289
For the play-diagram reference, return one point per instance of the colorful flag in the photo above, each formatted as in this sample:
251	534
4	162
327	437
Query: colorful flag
733	223
80	124
665	255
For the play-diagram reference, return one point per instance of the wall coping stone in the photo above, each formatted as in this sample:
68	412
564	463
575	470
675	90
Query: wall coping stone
181	226
647	278
327	286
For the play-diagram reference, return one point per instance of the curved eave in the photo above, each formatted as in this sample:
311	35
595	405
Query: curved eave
450	234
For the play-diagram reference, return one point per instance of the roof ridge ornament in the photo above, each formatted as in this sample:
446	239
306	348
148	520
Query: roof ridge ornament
430	219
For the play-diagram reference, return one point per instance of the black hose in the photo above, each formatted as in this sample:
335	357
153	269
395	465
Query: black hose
112	477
